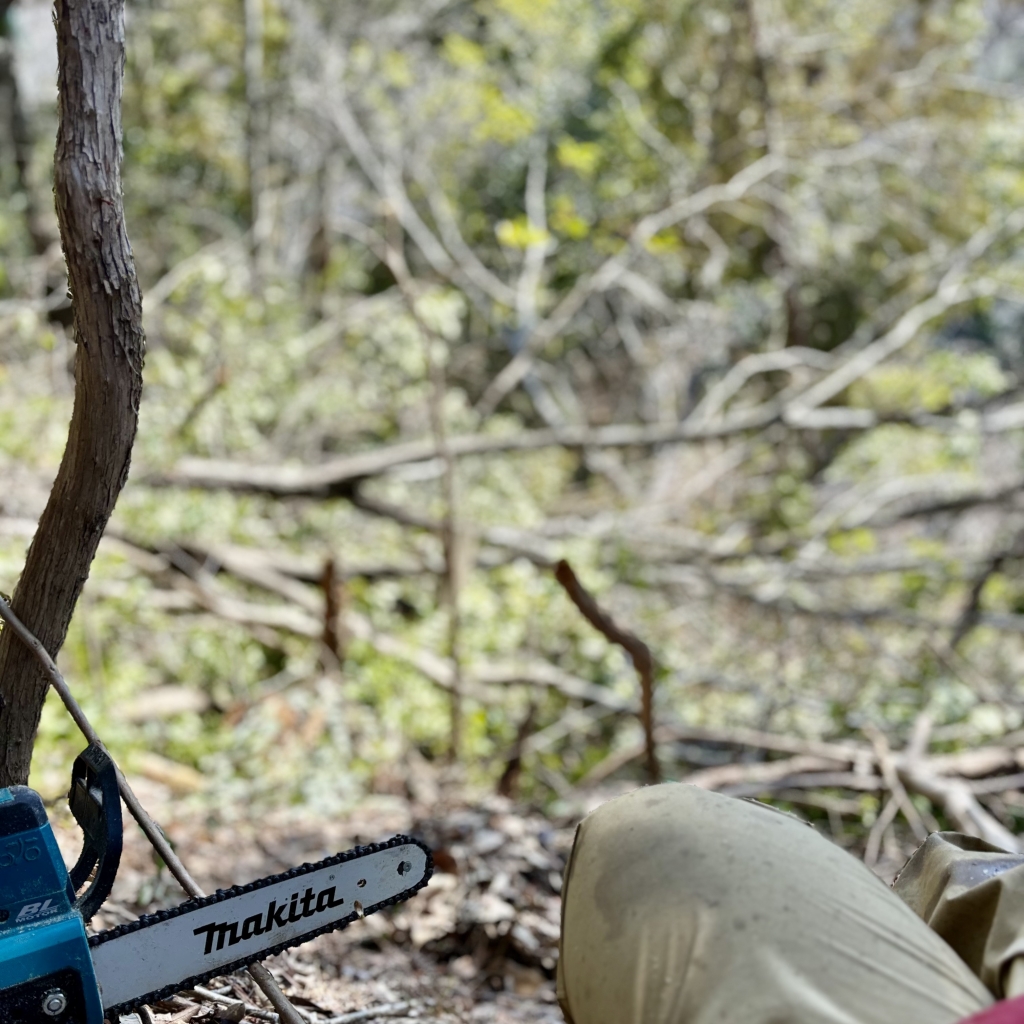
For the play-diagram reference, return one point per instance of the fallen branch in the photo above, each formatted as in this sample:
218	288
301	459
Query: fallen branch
639	652
944	779
575	722
954	796
518	543
1006	622
999	784
338	477
842	753
887	769
371	1013
482	679
248	1008
810	780
758	772
881	825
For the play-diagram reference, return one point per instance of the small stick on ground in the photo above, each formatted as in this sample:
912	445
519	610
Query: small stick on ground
508	784
332	588
887	769
153	832
643	660
884	820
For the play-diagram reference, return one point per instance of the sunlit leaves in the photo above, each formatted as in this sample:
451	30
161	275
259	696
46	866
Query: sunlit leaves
521	234
582	157
932	382
892	160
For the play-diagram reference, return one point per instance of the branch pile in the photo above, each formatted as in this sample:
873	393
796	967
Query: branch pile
968	790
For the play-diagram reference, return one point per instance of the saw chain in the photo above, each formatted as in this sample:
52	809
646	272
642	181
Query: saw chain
51	970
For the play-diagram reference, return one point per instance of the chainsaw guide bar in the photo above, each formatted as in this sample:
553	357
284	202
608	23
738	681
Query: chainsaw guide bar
161	953
52	969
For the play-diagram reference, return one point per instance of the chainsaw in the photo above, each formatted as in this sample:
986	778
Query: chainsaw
51	969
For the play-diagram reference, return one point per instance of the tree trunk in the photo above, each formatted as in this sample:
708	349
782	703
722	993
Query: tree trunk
108	363
255	134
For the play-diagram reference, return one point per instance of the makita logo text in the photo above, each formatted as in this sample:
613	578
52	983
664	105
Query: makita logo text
275	917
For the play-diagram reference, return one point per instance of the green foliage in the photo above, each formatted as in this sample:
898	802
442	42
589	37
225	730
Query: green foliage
891	157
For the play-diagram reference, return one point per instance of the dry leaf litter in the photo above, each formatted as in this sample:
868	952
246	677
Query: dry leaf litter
478	944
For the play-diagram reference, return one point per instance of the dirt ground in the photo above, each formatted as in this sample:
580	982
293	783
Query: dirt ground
478	944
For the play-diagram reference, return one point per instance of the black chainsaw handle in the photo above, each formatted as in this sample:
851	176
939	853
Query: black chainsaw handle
96	804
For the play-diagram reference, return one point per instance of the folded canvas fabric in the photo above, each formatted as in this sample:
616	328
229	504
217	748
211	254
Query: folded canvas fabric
682	906
972	894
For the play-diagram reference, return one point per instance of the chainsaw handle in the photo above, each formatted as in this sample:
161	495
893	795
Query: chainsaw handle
95	802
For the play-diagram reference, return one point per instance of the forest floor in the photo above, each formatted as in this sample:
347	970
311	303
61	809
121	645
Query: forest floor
479	944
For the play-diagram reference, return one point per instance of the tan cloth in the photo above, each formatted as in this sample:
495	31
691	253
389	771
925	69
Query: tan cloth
687	907
972	894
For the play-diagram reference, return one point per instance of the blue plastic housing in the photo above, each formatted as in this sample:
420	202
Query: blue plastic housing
41	934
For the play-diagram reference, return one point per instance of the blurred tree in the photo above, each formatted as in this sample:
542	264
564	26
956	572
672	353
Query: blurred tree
108	367
18	132
724	303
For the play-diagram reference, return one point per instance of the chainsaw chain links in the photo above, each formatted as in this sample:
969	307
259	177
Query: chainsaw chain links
226	894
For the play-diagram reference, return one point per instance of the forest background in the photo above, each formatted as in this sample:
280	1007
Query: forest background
722	302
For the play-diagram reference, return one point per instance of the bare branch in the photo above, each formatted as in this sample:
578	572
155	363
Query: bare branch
337	477
952	290
611	271
887	767
971	612
751	366
639	652
957	800
881	825
474	271
539	243
467	270
760	772
908	326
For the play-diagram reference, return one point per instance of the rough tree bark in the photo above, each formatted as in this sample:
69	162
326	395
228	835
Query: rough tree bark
108	363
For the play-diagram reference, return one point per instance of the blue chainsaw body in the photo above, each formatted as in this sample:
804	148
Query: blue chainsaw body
46	971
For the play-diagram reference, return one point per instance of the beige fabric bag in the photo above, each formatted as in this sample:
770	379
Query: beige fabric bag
682	906
972	894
